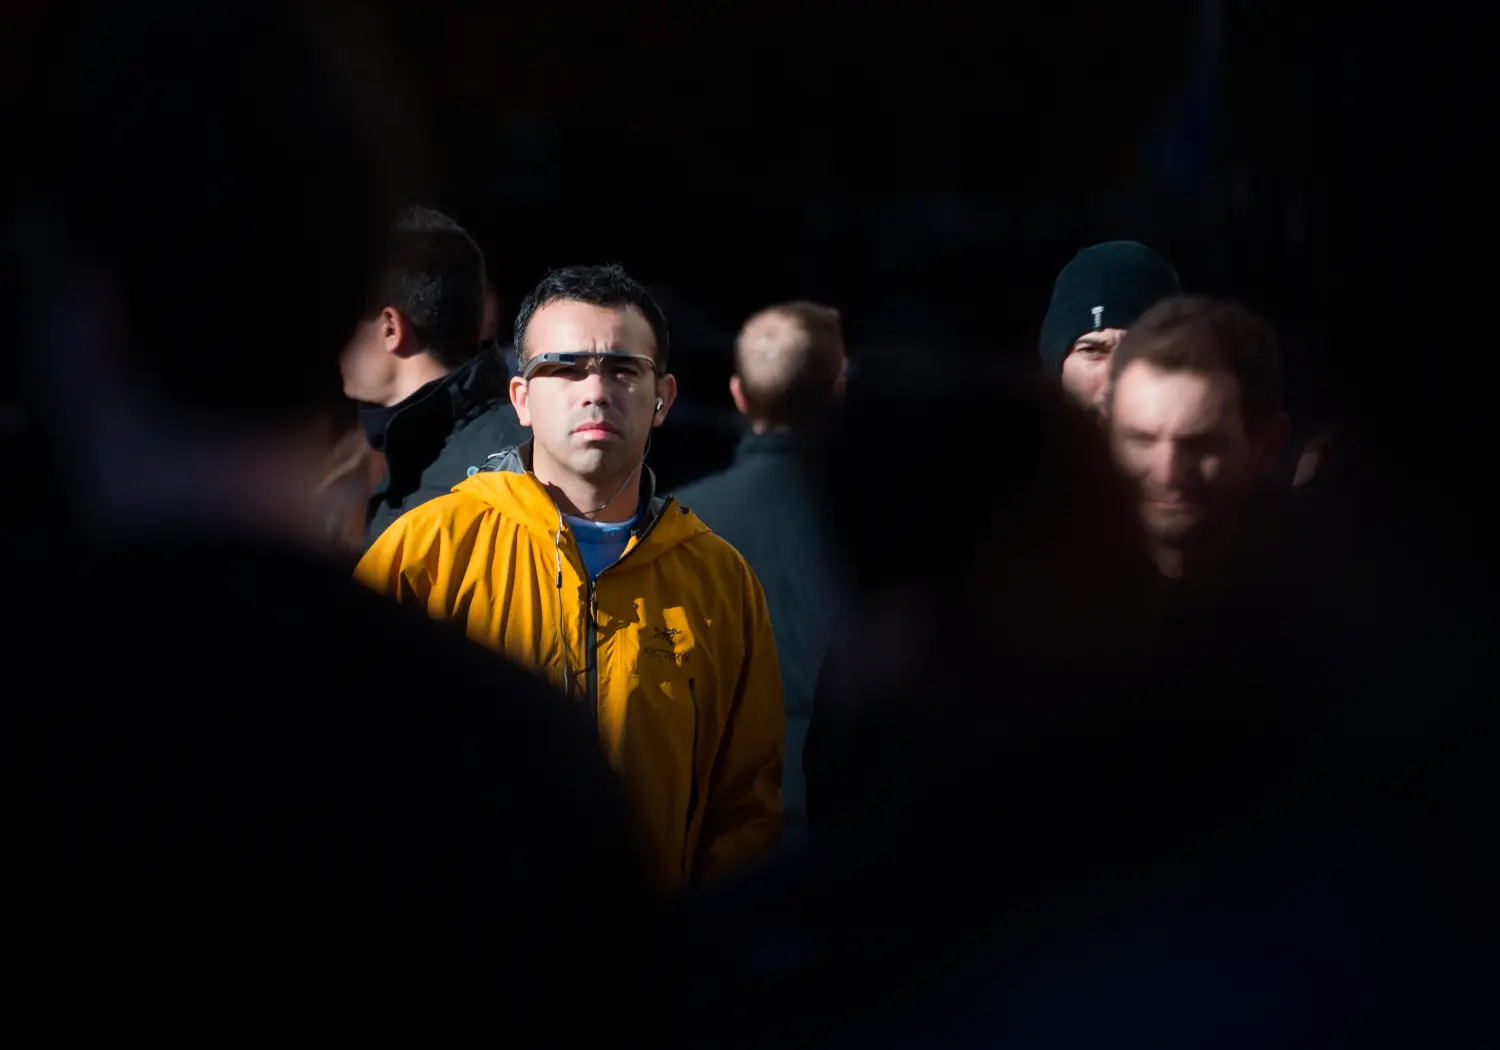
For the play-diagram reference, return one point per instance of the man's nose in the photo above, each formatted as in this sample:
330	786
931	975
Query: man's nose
1160	466
1178	466
593	389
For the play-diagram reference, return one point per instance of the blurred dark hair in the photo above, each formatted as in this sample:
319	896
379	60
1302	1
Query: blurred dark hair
798	395
608	286
1192	333
434	276
217	168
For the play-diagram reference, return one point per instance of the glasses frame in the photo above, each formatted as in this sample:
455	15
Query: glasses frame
569	360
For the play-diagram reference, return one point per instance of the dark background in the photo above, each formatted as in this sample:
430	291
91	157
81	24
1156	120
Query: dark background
925	167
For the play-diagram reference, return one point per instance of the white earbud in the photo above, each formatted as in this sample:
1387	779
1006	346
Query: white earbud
659	403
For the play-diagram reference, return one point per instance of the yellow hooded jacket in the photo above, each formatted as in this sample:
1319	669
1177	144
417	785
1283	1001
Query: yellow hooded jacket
670	649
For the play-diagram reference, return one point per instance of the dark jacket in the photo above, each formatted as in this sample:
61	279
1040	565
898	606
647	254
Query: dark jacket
432	439
766	507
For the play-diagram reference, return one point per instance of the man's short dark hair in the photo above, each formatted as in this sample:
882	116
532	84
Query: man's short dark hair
607	286
434	277
1194	333
793	385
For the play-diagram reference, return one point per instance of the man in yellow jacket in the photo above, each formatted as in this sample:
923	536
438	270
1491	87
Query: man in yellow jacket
560	555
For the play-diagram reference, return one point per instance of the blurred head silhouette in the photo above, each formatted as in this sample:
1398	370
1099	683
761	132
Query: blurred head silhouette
1021	523
198	237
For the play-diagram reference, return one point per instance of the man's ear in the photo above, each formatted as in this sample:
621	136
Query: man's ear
519	399
666	389
396	333
737	391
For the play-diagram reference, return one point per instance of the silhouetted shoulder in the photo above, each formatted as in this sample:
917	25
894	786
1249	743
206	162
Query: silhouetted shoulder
253	752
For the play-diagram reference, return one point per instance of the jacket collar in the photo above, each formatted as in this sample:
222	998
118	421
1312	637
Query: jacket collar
517	460
471	388
771	443
506	484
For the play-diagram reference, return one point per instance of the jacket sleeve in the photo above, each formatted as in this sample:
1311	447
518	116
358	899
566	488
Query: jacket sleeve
742	816
396	565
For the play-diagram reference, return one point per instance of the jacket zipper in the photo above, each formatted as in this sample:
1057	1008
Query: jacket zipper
591	645
590	632
692	805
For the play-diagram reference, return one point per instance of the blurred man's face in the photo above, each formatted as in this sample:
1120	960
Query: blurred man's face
368	367
1085	371
590	419
1179	437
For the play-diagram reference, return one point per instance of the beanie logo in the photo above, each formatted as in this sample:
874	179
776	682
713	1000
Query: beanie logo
1098	312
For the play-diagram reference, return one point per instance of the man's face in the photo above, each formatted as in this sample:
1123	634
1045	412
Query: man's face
591	419
1085	371
368	368
1179	437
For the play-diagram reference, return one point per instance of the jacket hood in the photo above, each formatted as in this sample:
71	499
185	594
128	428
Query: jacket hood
507	484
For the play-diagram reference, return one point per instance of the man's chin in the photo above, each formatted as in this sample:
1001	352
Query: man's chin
598	461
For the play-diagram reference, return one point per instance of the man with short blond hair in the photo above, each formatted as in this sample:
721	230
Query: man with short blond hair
789	373
788	365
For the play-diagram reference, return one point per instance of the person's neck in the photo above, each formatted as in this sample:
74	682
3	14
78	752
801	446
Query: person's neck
415	373
760	426
612	501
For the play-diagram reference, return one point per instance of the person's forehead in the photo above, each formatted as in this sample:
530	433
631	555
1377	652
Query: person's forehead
1174	400
1103	337
568	327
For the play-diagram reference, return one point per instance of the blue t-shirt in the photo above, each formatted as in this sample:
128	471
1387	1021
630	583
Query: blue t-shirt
601	542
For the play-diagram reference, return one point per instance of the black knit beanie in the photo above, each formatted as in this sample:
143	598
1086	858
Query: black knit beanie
1107	285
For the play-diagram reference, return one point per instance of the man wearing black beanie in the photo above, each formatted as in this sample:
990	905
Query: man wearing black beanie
1098	295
